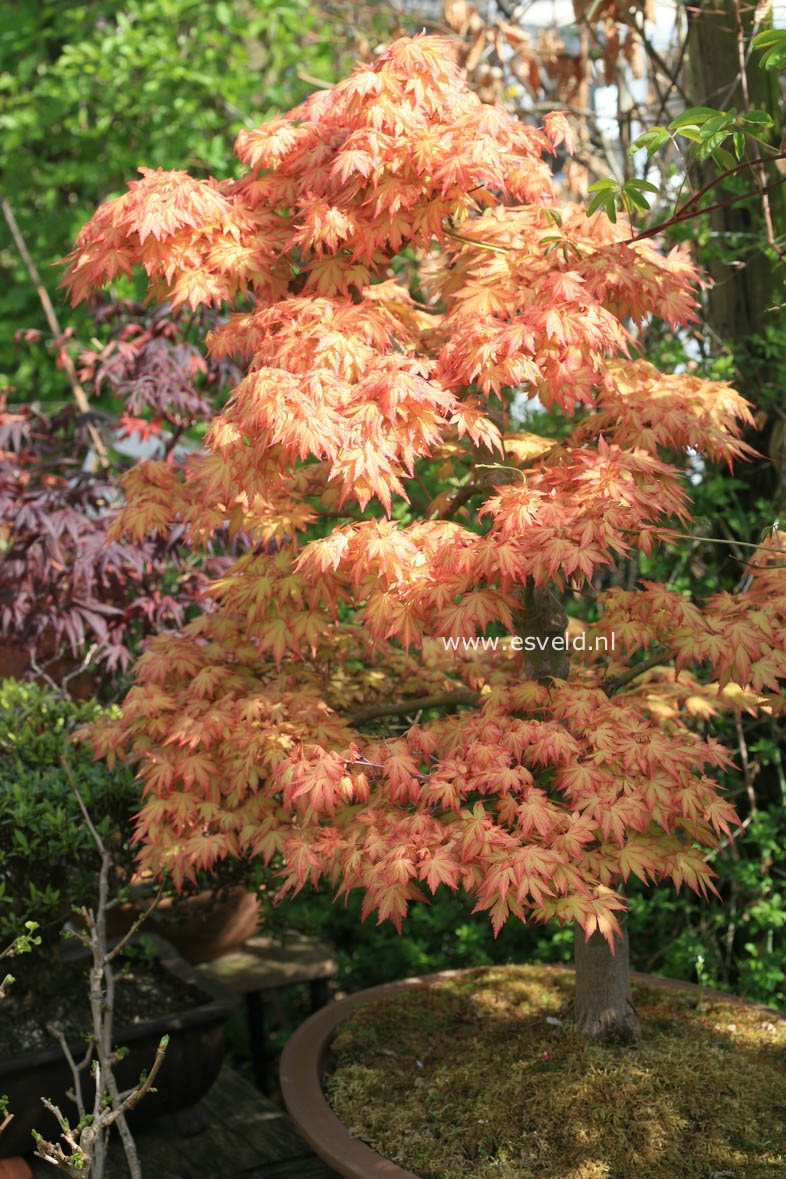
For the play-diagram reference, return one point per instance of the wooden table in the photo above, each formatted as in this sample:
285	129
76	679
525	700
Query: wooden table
260	969
248	1137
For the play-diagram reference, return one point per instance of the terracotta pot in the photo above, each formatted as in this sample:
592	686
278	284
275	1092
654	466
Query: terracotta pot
201	927
15	1168
192	1062
304	1060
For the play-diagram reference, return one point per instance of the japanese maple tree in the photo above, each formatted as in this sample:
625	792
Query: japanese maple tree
400	269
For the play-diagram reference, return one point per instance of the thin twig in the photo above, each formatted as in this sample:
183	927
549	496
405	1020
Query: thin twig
475	242
749	771
121	945
679	218
654	56
96	837
320	83
723	176
75	1069
761	175
89	1153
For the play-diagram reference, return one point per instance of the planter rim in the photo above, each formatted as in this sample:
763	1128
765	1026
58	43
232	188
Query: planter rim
305	1053
217	1002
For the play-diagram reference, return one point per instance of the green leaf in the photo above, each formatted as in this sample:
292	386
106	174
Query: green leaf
652	140
631	193
603	200
605	182
709	146
739	144
769	37
760	117
775	58
695	115
724	158
713	126
646	185
690	132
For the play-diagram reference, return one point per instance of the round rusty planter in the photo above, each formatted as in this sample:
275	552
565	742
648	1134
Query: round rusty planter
202	927
305	1055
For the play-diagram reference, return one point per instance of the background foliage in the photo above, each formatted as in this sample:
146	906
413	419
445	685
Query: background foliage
91	91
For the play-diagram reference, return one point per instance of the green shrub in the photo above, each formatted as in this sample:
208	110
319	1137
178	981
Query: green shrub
48	859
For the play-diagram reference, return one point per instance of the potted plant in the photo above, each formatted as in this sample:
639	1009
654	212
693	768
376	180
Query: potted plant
213	916
209	918
482	1071
157	995
401	304
50	867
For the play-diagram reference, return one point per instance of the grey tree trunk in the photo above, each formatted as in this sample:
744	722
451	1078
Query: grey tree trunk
748	278
603	1004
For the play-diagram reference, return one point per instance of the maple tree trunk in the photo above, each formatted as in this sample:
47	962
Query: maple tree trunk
603	1003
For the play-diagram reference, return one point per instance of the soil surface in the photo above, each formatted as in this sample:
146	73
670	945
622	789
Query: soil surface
55	992
484	1077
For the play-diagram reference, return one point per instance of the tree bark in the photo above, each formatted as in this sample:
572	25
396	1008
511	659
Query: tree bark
747	275
603	1004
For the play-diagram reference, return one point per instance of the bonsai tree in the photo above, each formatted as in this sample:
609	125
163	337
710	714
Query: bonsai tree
402	274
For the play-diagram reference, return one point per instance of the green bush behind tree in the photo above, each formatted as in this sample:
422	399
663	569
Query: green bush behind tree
91	91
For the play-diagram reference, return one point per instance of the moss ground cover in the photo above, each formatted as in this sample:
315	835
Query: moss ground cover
484	1077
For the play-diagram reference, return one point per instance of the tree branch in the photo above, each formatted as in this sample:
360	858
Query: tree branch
403	707
74	1067
121	945
678	218
722	176
614	683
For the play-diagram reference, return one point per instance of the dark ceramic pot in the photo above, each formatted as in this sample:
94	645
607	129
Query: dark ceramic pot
191	1064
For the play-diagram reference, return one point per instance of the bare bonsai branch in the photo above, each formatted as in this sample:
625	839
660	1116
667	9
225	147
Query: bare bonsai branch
85	1156
121	945
74	1067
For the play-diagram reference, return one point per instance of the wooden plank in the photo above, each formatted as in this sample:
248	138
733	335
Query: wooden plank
263	963
305	1168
